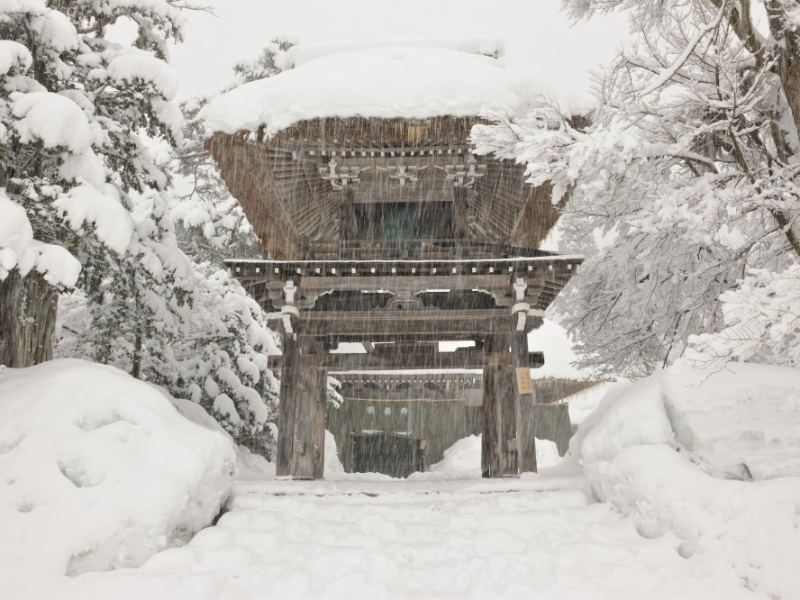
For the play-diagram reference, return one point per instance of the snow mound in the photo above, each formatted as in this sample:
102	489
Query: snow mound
663	450
249	466
253	467
583	403
742	422
99	471
463	459
382	82
333	468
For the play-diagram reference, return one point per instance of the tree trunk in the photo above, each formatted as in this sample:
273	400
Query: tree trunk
789	70
786	47
27	319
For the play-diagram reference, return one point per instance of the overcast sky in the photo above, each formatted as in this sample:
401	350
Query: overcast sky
536	34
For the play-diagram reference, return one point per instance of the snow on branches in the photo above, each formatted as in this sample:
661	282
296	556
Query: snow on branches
211	220
684	185
72	107
18	249
186	326
75	111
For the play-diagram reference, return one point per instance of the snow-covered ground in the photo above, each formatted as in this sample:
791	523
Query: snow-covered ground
658	454
387	539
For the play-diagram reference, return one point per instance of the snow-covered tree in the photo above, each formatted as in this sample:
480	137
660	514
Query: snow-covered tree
73	109
212	224
212	347
683	189
78	114
176	318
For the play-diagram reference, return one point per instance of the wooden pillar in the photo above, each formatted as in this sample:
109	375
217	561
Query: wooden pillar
525	398
301	422
319	399
499	448
289	374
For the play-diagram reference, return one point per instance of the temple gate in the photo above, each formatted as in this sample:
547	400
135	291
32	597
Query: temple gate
393	233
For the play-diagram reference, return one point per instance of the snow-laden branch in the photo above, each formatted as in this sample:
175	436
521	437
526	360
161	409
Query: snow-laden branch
668	73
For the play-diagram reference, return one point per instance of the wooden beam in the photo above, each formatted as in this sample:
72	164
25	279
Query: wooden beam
468	358
438	324
540	266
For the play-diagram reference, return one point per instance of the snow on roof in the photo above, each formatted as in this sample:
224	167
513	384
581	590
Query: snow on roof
302	53
384	82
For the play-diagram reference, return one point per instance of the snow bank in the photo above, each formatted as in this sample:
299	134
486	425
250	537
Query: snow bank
333	468
463	459
249	466
98	471
584	403
253	467
742	422
383	82
660	450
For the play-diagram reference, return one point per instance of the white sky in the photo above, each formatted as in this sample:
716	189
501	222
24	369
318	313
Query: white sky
536	34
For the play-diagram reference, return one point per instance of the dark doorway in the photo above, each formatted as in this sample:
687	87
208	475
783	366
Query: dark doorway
392	454
400	221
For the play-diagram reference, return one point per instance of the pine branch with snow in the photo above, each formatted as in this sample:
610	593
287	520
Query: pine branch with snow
74	109
212	224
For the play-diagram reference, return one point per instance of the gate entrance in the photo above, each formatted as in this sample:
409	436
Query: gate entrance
468	269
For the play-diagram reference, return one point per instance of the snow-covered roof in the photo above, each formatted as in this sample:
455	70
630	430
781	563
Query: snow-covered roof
302	53
400	81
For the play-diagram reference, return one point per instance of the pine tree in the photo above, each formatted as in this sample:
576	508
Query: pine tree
72	107
186	325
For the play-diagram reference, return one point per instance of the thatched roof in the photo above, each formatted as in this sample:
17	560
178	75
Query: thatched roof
294	210
397	122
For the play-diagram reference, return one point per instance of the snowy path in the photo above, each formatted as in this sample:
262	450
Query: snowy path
530	538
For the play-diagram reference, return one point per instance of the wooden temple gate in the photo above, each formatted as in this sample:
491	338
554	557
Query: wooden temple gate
391	233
